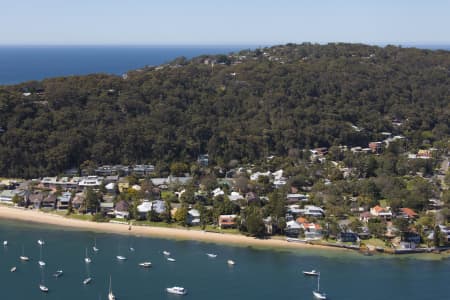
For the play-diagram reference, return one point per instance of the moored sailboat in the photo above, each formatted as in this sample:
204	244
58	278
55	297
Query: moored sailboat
317	293
111	296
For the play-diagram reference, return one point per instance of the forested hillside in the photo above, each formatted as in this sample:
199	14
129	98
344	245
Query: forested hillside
242	106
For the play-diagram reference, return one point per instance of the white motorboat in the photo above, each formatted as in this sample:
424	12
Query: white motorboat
87	281
41	263
13	269
58	273
211	255
145	264
311	273
43	288
110	293
171	259
317	293
231	262
166	253
131	249
5	243
41	242
178	290
86	258
120	257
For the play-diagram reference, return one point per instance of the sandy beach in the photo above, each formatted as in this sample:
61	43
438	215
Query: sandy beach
148	231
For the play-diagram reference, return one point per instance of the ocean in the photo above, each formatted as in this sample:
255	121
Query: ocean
258	274
23	63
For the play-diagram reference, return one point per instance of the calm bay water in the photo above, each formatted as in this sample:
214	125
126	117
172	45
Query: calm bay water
258	274
23	63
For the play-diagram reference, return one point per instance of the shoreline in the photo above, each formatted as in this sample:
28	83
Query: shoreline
33	216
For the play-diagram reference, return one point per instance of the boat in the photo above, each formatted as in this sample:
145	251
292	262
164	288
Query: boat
311	273
231	262
87	281
110	293
41	262
131	249
95	246
145	264
317	293
171	259
58	273
40	242
23	257
120	257
5	243
178	290
211	255
166	253
86	258
13	269
43	288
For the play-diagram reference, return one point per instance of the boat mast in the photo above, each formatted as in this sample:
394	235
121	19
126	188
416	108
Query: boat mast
318	283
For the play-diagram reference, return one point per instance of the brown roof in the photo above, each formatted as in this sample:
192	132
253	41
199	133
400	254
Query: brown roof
122	206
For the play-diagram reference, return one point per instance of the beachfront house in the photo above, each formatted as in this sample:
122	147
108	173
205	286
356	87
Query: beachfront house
7	196
347	237
121	210
144	208
292	229
49	202
63	201
227	221
35	199
193	217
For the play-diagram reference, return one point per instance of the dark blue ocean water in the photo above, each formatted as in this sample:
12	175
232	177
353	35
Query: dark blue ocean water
257	275
23	63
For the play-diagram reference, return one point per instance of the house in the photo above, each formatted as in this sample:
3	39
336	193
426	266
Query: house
313	211
35	200
235	196
90	181
62	202
407	213
365	216
227	221
346	237
375	147
49	202
6	196
144	208
193	217
292	229
203	160
78	200
107	207
312	231
121	210
297	197
382	212
159	206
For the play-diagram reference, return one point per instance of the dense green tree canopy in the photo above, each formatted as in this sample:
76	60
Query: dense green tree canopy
245	107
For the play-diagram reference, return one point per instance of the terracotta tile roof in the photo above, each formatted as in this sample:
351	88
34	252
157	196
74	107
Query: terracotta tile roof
409	212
